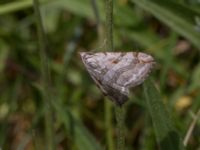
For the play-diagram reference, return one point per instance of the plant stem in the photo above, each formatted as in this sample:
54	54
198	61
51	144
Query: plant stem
45	79
191	128
120	117
108	124
119	110
109	47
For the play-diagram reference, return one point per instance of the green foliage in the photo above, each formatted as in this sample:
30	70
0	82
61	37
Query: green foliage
75	129
166	135
179	17
168	30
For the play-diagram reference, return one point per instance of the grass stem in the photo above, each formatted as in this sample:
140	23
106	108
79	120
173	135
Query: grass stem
120	117
191	128
45	79
109	47
119	110
108	124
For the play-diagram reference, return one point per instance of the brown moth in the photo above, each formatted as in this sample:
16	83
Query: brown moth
116	72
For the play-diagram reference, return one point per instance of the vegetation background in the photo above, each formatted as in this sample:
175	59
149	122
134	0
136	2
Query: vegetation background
77	117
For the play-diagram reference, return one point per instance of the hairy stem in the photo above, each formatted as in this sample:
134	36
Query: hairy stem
119	110
120	117
109	47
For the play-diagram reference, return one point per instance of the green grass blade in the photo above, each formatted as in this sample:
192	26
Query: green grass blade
17	5
176	16
166	134
14	6
46	79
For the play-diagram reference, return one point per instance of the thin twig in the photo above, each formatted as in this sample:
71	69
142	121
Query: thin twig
45	79
191	128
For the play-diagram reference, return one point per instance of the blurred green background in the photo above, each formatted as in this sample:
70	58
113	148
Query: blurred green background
169	30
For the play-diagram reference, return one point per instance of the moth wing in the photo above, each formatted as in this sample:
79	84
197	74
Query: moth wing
115	94
135	75
98	83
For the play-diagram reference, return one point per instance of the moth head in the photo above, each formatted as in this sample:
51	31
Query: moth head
83	55
145	58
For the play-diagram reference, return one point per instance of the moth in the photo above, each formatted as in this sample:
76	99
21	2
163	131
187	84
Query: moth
116	72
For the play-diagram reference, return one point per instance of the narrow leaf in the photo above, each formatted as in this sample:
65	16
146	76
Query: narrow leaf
166	134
